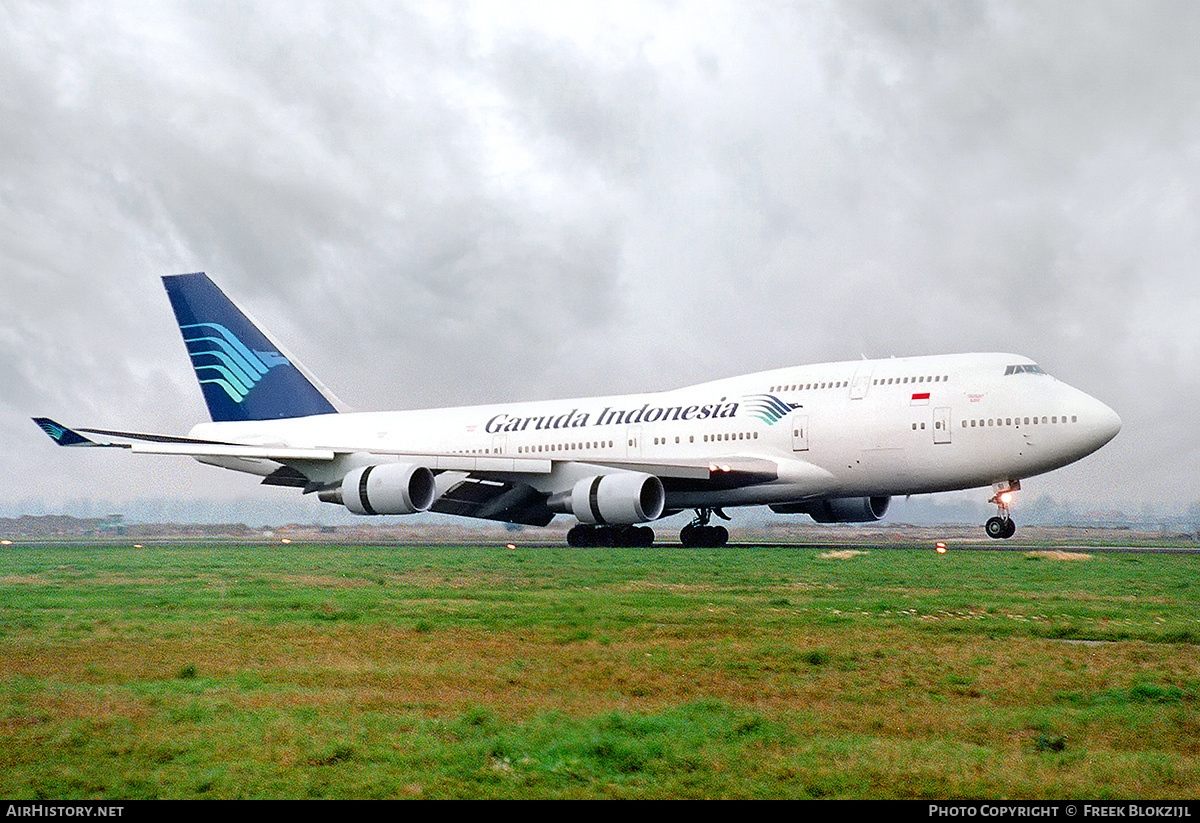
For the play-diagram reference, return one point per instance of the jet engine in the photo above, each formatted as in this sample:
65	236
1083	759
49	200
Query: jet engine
838	509
389	488
623	498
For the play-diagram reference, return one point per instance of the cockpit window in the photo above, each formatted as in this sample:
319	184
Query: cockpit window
1024	368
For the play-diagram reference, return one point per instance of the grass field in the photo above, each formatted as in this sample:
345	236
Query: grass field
443	671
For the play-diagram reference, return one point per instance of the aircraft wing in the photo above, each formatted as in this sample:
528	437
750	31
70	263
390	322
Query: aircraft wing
728	472
488	487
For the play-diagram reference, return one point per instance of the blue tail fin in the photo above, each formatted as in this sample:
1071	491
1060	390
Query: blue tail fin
241	372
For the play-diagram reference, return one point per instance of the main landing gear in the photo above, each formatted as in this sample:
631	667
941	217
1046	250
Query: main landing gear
698	534
1002	526
586	535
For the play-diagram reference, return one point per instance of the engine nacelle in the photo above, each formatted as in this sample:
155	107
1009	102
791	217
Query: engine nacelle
622	498
838	509
389	488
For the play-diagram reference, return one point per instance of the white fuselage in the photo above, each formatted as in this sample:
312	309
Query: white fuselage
858	428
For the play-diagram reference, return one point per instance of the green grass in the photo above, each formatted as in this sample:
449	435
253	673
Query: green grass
448	671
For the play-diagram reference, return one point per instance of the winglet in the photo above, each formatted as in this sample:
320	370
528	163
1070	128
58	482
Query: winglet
61	435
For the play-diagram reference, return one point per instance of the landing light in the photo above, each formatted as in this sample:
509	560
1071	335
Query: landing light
285	540
5	542
511	546
1006	498
941	548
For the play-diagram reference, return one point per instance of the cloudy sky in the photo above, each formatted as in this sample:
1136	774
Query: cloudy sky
439	203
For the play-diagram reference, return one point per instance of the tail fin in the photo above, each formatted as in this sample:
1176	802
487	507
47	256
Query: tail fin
241	371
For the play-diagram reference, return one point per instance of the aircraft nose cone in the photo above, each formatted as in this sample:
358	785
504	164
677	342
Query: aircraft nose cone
1105	423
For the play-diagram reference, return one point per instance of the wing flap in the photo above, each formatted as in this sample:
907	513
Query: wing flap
492	500
220	450
729	471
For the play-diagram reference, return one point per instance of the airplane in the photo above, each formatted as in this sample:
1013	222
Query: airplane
834	441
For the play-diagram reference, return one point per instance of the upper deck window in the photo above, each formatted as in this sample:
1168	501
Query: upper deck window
1024	368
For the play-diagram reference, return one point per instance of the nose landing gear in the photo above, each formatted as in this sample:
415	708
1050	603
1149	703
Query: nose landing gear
698	534
1002	526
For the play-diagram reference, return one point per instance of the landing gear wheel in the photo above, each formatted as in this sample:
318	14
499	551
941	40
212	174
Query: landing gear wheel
688	537
1000	528
581	536
698	534
586	535
994	528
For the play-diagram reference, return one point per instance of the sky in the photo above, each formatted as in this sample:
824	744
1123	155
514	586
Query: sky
444	203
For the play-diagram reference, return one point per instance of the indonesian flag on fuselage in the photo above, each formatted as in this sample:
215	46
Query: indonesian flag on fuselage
920	398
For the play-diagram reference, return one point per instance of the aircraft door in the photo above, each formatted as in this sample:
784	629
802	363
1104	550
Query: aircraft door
861	382
799	423
633	441
941	425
